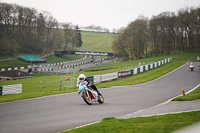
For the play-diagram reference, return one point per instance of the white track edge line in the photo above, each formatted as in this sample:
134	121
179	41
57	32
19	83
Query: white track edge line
175	112
163	102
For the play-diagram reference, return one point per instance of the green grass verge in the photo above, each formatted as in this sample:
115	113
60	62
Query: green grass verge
155	124
31	86
55	59
194	95
13	63
177	56
97	42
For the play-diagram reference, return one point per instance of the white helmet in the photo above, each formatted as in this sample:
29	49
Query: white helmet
82	77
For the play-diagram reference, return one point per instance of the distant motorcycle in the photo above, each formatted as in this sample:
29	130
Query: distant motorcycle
191	66
90	96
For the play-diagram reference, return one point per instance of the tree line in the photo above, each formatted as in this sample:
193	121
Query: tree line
94	28
26	30
161	34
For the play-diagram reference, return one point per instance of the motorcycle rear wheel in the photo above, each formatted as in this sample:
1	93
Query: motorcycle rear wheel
86	98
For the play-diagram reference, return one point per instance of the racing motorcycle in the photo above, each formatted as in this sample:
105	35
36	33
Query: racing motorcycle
89	95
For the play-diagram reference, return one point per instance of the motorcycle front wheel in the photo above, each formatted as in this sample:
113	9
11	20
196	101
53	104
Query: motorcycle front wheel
86	95
101	99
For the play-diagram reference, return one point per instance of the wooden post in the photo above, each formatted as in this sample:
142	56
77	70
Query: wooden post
40	86
60	85
183	92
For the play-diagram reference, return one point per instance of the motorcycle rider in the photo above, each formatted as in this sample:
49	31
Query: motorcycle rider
191	66
82	80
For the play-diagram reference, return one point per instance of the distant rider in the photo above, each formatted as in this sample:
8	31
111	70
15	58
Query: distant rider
191	66
82	80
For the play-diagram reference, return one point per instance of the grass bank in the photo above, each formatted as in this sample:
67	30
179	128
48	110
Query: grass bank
144	77
124	65
155	124
50	59
12	63
55	59
97	42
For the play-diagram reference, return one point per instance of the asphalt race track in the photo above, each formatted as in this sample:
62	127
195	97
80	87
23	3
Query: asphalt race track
57	113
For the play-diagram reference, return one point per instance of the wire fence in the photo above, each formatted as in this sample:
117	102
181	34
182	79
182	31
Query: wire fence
65	81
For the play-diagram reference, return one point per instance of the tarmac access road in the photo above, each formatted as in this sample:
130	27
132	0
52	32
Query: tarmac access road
69	63
62	68
61	112
81	67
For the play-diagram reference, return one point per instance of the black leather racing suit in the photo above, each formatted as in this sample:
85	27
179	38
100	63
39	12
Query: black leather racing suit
90	84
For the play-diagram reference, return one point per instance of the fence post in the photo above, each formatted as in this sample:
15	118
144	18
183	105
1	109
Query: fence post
1	90
60	85
40	86
72	78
